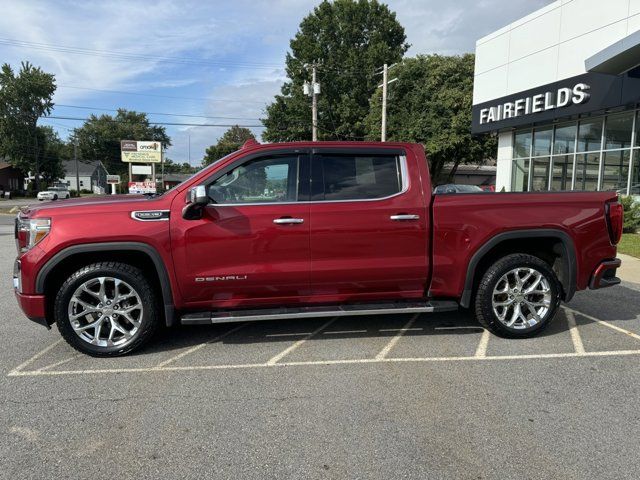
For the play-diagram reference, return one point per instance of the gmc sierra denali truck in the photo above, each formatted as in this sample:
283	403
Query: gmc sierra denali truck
298	230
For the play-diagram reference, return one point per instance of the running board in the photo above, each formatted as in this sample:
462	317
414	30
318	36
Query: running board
227	316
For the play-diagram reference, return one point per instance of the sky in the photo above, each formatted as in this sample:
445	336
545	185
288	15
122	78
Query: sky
206	63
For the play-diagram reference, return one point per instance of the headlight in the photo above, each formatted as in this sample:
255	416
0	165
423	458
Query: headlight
31	231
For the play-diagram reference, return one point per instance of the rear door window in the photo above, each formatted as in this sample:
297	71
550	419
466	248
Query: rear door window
355	177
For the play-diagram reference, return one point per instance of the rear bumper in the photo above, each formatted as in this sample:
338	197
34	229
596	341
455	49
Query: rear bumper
605	274
33	307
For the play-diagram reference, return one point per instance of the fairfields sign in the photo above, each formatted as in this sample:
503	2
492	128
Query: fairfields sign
541	102
562	100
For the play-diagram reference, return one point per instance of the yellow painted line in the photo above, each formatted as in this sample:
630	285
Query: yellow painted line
387	348
273	360
613	353
604	323
481	351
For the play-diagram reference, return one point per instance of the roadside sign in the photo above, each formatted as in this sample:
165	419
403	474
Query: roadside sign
142	187
140	152
113	179
141	169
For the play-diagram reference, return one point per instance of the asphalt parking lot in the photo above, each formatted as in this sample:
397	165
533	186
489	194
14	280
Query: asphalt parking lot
429	396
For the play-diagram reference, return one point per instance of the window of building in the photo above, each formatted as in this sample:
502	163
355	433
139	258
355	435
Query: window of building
348	177
590	135
522	144
635	174
587	166
540	175
562	172
565	139
618	131
615	170
542	141
520	175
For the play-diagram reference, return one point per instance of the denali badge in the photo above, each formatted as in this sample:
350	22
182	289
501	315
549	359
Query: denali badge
222	278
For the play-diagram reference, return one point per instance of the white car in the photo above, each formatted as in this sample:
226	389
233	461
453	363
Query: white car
54	193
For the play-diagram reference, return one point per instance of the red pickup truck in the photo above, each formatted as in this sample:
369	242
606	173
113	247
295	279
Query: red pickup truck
297	230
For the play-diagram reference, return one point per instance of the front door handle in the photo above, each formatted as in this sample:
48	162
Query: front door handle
404	217
288	221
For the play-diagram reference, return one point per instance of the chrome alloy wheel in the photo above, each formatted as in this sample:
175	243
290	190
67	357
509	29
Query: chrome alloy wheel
105	312
521	298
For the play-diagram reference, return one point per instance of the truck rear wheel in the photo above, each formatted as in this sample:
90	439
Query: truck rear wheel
518	296
106	309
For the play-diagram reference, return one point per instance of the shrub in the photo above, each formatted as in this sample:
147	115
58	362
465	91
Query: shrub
631	214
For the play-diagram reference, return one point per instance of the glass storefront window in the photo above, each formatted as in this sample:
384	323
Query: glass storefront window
617	132
520	175
542	141
540	174
565	139
590	135
615	170
587	165
635	174
562	172
522	144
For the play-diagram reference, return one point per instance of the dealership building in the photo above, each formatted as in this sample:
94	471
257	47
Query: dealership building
561	89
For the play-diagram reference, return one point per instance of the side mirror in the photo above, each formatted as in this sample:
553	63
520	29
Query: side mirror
197	199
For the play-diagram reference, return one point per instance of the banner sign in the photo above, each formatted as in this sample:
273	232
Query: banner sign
113	179
141	152
142	187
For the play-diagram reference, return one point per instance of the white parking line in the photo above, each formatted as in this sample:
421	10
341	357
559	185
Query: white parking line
387	348
35	373
602	322
462	327
273	360
416	329
56	364
481	351
578	346
198	347
337	332
35	357
275	335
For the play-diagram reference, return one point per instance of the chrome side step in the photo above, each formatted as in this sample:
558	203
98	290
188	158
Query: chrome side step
227	316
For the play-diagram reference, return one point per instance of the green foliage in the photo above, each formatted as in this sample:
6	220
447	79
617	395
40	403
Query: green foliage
631	214
630	244
51	153
348	40
431	104
99	137
231	141
171	167
24	98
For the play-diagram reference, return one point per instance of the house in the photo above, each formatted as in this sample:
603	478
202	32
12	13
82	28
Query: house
481	175
91	174
11	179
173	179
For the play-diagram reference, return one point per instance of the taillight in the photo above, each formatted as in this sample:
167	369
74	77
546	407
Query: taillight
615	220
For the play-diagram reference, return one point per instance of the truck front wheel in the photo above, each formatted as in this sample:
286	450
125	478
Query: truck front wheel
106	309
518	296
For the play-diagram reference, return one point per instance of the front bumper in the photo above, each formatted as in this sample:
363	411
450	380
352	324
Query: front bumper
33	307
605	274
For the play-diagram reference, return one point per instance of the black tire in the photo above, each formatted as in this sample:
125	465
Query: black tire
55	197
483	300
149	319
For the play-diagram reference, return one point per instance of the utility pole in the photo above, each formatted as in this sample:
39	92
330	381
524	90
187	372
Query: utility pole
383	135
384	85
313	90
75	157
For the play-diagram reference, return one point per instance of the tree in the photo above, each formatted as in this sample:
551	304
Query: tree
24	98
431	104
99	137
230	141
348	40
171	167
51	152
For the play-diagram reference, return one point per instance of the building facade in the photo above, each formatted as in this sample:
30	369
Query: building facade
561	90
91	174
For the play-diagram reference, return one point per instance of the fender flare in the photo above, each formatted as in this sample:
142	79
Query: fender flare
568	256
161	270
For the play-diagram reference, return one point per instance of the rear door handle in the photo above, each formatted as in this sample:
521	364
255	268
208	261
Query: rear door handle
288	221
404	217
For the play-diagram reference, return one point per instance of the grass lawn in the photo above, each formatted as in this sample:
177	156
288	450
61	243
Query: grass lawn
630	244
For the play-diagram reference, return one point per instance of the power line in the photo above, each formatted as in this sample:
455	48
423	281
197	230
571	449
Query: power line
84	107
159	123
49	47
